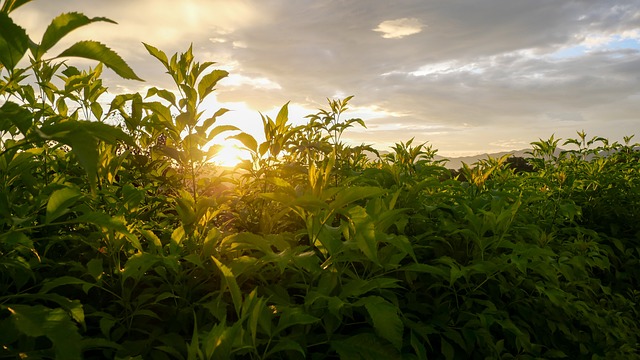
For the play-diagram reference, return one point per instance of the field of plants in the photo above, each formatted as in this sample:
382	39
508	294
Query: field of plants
120	240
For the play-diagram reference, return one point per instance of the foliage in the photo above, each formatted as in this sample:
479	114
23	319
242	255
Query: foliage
119	240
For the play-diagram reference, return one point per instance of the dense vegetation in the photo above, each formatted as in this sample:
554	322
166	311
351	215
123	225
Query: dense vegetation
119	240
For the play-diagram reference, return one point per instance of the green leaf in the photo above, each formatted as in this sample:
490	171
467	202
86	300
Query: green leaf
355	193
365	232
163	94
55	324
13	114
96	51
62	25
62	281
14	42
294	316
446	349
364	346
60	201
286	344
158	54
283	116
209	81
94	268
10	5
247	140
85	148
220	129
138	265
386	321
232	284
151	237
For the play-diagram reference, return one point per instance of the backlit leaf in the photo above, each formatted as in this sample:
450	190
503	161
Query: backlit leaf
61	26
94	50
14	42
209	81
13	114
247	140
230	280
158	54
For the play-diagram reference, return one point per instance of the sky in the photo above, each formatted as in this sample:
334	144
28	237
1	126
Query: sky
465	76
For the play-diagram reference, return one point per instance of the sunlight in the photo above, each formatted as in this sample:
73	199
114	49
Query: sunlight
229	155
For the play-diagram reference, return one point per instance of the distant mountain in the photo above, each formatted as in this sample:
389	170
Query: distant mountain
456	162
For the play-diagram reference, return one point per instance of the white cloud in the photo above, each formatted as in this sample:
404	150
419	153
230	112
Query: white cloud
448	67
399	28
255	82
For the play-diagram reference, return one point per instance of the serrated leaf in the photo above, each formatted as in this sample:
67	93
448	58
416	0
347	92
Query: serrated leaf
158	54
12	114
14	42
94	50
55	324
60	201
62	25
385	317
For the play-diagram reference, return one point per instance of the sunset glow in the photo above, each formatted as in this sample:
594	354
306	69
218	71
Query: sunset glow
229	155
467	77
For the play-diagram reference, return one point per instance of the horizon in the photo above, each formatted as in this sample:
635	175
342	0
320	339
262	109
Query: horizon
465	78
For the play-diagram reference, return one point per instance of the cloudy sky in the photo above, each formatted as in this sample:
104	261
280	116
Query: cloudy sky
467	76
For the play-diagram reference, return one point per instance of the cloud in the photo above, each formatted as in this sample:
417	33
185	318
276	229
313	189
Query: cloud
484	71
399	28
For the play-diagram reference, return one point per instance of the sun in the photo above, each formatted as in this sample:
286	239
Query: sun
229	155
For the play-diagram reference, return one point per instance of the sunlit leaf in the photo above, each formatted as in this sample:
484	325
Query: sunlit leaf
365	235
158	54
94	50
247	140
61	26
230	280
60	201
209	81
162	93
219	130
138	264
